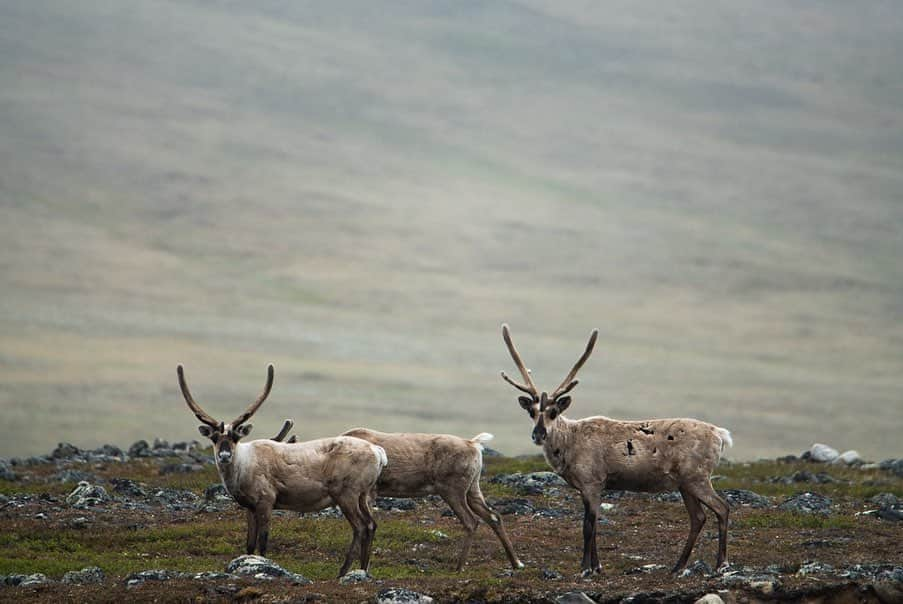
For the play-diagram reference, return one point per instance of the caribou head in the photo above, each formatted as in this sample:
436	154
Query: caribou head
224	435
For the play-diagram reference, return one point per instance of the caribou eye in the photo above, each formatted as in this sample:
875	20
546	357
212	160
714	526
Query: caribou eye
553	413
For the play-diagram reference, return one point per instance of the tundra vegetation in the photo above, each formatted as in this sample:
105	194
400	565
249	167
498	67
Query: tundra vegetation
417	546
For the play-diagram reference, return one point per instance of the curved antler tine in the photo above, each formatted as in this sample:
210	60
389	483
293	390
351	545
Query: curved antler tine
516	385
530	388
569	382
199	413
286	426
256	404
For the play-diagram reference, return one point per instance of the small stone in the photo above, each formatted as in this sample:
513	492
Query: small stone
550	574
136	579
87	495
696	569
79	523
216	493
646	569
513	506
128	488
709	599
814	568
355	576
822	453
91	574
41	516
437	534
399	595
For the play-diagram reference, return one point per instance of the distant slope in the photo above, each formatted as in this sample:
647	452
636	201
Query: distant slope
362	193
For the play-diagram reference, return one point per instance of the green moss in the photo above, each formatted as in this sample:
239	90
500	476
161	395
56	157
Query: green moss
780	519
493	466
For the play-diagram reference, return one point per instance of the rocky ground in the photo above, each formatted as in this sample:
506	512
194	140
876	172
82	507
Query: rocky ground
152	523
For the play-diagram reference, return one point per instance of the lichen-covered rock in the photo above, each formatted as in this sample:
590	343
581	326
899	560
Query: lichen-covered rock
395	504
139	578
709	599
355	576
550	574
513	506
399	595
87	495
807	503
91	574
696	569
534	483
128	488
744	497
35	579
262	568
65	451
140	448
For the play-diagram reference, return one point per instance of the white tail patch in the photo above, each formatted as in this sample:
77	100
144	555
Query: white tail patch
725	437
381	458
482	437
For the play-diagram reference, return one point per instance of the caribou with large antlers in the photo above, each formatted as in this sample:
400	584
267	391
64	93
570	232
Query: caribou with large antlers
263	475
595	453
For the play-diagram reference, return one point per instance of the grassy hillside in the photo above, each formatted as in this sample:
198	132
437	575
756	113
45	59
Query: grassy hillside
362	193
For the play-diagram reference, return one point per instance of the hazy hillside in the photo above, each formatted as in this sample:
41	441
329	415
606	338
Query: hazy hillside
363	192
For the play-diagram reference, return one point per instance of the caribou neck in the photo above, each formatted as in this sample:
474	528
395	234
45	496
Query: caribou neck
557	444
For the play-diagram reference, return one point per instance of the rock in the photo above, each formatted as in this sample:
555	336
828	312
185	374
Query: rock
176	499
438	535
355	576
574	597
395	504
811	567
65	451
669	497
6	471
709	599
807	503
535	483
894	466
821	453
87	495
646	569
35	579
399	595
128	488
696	569
91	574
262	568
135	579
513	506
885	500
216	492
108	451
140	448
744	497
849	458
159	443
79	523
550	574
70	475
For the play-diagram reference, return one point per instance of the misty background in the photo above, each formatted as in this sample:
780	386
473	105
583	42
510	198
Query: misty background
362	192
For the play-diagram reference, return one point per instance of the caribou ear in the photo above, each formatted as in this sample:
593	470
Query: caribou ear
526	402
243	430
562	403
206	431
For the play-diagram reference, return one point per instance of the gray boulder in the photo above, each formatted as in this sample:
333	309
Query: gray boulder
821	453
65	451
263	568
139	578
6	471
709	599
849	458
535	483
91	574
399	595
35	579
395	504
140	448
894	466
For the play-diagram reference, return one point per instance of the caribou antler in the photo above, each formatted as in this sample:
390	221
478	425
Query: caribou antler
569	382
200	413
286	427
256	404
530	388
